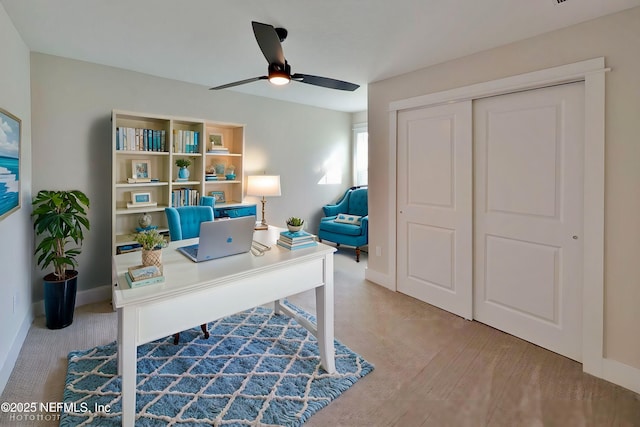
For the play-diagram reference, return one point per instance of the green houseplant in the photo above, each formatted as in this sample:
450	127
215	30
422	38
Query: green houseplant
152	243
183	163
60	218
295	224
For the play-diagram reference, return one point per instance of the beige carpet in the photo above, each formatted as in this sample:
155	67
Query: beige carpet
432	368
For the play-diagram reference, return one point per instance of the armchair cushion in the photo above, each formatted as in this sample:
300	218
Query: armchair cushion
329	225
348	219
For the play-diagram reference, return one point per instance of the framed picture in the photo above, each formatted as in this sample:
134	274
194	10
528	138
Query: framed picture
215	140
140	169
219	196
138	198
10	132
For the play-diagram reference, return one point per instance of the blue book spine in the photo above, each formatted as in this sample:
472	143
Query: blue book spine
293	248
132	284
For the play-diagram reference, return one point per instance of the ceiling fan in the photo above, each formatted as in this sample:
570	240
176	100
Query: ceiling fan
279	72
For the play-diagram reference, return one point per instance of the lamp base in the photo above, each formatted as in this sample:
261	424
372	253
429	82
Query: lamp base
261	226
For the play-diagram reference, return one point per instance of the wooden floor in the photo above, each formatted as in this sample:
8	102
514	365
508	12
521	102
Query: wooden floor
432	368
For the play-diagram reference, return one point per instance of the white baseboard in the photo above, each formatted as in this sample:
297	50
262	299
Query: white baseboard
623	375
101	293
14	351
379	279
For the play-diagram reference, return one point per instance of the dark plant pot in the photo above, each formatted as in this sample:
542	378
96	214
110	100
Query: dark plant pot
60	299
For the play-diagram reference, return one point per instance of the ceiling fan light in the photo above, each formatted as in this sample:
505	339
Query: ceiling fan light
279	79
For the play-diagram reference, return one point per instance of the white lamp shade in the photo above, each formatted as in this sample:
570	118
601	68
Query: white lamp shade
263	185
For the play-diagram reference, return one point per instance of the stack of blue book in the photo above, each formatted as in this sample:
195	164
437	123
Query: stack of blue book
296	240
141	275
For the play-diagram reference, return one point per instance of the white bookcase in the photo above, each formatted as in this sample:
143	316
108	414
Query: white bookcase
160	160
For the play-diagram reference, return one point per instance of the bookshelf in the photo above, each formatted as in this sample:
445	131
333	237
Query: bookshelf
149	145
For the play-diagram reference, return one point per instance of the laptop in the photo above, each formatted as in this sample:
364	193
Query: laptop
221	238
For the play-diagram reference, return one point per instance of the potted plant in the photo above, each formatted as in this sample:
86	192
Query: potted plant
295	224
59	217
152	243
183	164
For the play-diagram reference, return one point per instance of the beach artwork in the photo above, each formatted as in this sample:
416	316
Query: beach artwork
9	163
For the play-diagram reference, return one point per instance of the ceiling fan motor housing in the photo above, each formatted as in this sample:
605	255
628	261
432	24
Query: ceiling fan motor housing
280	70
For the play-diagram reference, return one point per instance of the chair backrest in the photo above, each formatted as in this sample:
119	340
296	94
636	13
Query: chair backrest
208	201
184	222
358	202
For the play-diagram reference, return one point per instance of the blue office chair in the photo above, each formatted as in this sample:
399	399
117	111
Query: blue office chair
184	223
347	222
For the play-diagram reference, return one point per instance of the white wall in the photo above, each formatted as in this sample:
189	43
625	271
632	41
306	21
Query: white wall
72	103
16	248
616	37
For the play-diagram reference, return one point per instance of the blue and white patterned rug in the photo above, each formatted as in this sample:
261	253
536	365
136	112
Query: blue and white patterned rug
256	369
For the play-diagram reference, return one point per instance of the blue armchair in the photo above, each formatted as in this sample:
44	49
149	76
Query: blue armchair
184	223
347	222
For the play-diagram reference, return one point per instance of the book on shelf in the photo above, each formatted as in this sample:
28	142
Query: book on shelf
295	246
143	282
130	247
138	139
186	141
141	205
185	197
218	150
141	180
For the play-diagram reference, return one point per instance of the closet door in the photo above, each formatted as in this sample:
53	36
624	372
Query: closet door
528	196
434	206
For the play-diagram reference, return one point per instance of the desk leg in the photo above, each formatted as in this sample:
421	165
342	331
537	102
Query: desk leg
324	311
276	307
127	361
120	323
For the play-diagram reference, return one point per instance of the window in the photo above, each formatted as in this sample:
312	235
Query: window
360	154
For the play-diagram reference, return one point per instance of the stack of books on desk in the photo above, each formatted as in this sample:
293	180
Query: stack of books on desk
298	240
141	275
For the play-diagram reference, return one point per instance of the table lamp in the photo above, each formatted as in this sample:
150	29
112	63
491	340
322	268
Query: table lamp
263	186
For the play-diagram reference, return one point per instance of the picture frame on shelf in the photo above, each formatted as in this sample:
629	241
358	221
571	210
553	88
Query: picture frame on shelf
216	141
141	169
219	196
140	197
10	163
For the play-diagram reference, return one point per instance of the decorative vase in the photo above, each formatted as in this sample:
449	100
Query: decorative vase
153	257
294	228
145	220
183	173
60	299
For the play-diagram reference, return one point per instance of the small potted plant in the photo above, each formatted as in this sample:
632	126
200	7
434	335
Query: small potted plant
183	164
60	217
152	243
295	224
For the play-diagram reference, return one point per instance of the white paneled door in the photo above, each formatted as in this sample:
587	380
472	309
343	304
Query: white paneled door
528	209
434	193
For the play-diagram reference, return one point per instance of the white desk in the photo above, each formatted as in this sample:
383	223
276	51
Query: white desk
193	294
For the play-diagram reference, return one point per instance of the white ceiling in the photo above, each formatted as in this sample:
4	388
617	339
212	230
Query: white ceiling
210	42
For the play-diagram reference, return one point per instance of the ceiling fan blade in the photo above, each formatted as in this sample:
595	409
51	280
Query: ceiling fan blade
325	82
238	83
269	42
